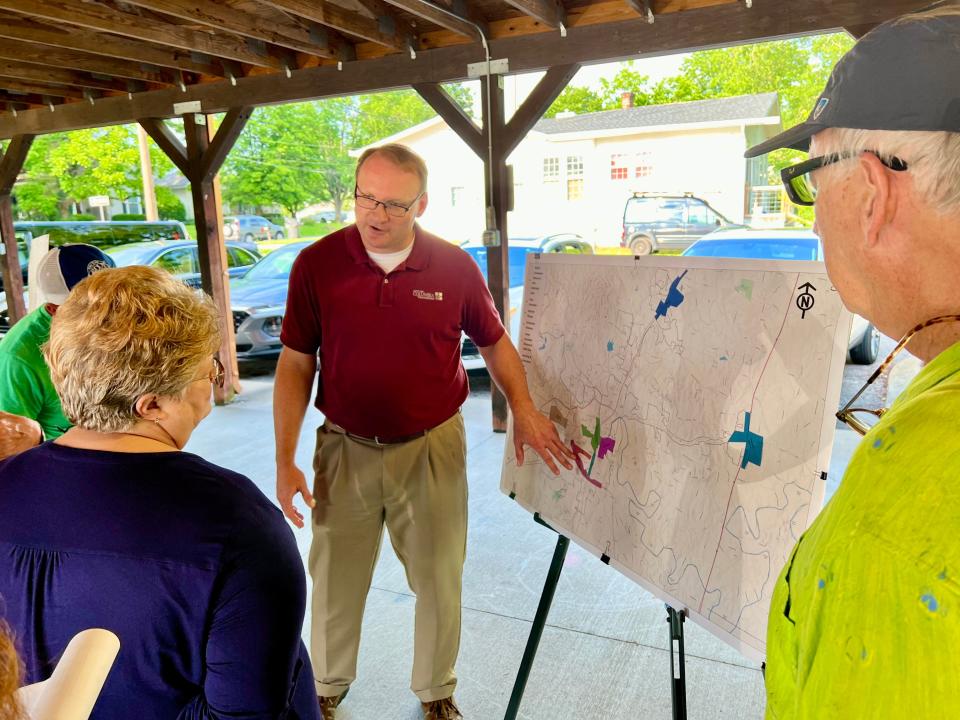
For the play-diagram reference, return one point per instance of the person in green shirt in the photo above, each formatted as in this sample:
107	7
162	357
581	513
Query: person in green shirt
865	617
25	386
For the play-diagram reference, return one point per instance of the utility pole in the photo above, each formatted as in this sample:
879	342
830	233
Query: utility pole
146	171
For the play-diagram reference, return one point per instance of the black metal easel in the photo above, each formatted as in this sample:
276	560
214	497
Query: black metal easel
678	687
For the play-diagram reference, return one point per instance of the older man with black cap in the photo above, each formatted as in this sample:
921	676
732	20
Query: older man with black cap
26	392
865	618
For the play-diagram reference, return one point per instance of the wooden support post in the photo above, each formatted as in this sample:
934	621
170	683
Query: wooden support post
200	161
497	178
497	193
11	163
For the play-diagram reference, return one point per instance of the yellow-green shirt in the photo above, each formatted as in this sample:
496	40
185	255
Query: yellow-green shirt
865	618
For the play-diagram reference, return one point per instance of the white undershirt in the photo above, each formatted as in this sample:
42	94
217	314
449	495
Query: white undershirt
389	261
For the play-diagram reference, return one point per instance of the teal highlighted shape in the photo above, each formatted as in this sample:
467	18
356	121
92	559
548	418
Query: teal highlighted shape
609	345
745	288
753	450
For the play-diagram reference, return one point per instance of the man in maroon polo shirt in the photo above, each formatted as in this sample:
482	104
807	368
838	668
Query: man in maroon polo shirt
382	304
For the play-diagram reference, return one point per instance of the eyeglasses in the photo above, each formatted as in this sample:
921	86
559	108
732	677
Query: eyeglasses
393	209
217	374
847	415
796	178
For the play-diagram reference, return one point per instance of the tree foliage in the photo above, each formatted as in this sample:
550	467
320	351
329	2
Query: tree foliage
63	168
295	155
797	69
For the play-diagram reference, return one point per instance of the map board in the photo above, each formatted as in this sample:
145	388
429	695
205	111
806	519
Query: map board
698	395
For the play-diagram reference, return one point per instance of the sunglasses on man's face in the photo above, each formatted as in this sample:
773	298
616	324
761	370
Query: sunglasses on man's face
800	187
863	419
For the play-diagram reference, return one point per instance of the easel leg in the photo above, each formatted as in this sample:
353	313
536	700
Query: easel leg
539	620
678	681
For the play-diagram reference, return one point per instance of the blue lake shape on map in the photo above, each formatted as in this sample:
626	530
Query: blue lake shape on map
753	452
673	299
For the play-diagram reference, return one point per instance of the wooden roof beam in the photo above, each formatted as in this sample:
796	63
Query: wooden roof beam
440	16
270	26
17	27
63	91
31	99
388	31
39	73
71	60
549	12
103	19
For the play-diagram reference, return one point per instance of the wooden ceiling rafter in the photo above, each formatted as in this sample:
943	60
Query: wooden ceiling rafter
447	19
265	24
16	50
18	27
549	12
58	76
64	91
131	57
384	29
102	18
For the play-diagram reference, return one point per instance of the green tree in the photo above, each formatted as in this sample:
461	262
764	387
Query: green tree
294	155
169	206
576	99
274	159
101	161
629	80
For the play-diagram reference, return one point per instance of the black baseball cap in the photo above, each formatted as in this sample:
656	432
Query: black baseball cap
902	75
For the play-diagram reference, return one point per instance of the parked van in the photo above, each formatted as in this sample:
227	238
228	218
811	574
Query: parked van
102	234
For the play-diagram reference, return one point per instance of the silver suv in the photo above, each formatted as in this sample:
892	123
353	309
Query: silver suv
655	221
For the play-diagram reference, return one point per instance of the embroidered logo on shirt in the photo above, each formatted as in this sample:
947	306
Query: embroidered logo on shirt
424	295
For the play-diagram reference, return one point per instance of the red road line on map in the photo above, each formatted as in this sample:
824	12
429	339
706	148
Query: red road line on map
736	479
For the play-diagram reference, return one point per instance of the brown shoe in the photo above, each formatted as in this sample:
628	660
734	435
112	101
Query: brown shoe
328	704
445	709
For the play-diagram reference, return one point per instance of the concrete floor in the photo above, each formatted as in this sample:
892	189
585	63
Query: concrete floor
604	652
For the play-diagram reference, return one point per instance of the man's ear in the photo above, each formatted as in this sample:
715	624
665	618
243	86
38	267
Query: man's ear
422	204
880	198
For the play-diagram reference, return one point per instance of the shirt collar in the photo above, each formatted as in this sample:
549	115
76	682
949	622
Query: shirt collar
419	258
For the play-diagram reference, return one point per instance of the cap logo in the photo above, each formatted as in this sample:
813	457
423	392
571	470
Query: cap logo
96	265
821	106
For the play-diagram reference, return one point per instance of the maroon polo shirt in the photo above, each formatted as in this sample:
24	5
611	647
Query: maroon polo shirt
389	345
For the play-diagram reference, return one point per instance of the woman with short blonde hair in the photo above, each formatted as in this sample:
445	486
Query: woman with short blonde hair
112	526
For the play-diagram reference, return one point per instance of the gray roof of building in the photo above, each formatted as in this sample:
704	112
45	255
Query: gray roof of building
740	107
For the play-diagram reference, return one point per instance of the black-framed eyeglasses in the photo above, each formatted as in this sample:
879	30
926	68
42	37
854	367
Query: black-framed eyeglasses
868	417
393	209
796	178
218	374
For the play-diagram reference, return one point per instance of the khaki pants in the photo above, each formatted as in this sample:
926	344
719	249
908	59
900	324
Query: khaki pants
419	490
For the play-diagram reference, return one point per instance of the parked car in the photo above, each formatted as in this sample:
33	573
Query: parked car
259	300
520	247
104	235
653	221
251	228
786	245
181	259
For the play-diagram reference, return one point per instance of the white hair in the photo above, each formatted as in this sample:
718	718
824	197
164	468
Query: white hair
933	158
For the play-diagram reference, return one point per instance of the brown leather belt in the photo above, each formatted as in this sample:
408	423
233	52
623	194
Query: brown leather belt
379	440
376	439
